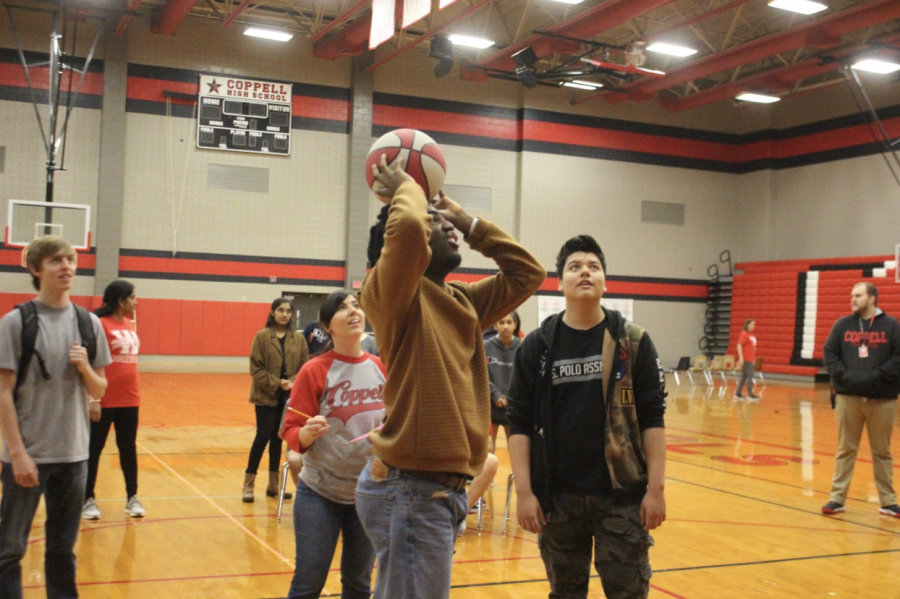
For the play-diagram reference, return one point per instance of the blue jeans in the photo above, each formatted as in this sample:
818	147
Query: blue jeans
413	524
317	523
63	488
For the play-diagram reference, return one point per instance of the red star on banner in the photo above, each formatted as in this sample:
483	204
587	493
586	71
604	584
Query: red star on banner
214	87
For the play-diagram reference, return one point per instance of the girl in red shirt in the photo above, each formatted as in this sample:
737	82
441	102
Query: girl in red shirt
746	349
119	406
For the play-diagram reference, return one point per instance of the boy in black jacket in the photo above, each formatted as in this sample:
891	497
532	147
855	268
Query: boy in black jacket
862	355
587	442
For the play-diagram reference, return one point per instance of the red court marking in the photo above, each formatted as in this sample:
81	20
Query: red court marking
173	579
669	593
767	444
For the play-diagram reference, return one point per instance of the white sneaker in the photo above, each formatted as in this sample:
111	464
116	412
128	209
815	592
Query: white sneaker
134	508
91	511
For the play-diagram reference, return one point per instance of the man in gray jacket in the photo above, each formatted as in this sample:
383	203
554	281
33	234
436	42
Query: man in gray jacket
862	355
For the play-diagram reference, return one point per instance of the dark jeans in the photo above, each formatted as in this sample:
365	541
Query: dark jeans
268	423
62	486
126	422
581	525
317	524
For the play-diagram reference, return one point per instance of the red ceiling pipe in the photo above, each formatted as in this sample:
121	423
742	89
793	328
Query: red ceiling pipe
817	32
236	13
126	19
173	13
349	41
584	25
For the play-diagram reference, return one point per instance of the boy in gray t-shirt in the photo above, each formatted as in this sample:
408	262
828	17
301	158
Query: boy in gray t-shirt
45	428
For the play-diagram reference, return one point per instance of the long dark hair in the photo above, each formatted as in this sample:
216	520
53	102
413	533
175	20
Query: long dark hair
270	322
114	293
518	321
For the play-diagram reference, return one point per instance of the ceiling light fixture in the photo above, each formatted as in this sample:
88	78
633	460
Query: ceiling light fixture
577	85
591	83
471	42
569	1
269	34
804	7
871	65
670	49
759	98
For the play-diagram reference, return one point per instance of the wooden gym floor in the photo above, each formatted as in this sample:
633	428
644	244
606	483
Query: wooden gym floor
745	482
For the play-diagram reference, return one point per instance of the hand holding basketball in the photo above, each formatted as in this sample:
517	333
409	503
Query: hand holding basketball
422	158
389	177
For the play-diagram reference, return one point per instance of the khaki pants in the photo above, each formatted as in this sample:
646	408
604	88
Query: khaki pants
877	415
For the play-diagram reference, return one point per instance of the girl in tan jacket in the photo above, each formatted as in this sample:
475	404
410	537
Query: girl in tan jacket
276	356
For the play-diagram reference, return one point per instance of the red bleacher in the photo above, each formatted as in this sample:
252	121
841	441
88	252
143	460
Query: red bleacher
767	293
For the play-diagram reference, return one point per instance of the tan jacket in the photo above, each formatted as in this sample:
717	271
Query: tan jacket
436	395
265	363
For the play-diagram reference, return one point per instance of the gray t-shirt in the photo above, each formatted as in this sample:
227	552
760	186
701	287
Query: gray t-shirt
53	415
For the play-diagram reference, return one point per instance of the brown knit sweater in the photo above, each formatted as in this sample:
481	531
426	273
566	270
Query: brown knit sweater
436	396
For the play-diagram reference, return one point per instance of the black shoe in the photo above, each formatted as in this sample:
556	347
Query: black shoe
832	507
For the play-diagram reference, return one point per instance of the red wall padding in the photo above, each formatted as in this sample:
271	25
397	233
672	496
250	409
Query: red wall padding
183	327
767	292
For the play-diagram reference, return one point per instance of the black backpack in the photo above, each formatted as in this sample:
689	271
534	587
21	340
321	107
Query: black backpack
29	315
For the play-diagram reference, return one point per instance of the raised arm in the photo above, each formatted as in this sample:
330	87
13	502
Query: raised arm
519	277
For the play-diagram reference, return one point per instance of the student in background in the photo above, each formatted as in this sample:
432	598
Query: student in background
119	407
277	353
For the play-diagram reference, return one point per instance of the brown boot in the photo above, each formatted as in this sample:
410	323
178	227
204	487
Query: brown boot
273	489
249	479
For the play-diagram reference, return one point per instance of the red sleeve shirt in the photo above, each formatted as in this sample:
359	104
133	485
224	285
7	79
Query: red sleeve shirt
747	341
122	374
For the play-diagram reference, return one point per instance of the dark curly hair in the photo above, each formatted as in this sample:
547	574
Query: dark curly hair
376	237
579	243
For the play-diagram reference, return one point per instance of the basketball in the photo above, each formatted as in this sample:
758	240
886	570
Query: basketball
424	158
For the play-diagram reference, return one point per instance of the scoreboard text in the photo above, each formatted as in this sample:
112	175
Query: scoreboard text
244	115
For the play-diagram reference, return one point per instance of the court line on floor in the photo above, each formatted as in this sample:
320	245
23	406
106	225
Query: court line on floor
544	580
767	444
219	509
782	505
778	561
759	478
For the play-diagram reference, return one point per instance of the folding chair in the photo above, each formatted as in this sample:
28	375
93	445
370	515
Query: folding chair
684	365
509	488
284	477
701	365
757	370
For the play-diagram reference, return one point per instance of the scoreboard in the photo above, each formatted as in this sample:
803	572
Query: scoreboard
244	115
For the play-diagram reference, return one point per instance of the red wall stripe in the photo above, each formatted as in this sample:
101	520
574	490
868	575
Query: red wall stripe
229	268
447	122
143	88
12	74
640	288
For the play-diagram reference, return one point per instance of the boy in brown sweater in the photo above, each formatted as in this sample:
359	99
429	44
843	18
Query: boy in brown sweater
411	495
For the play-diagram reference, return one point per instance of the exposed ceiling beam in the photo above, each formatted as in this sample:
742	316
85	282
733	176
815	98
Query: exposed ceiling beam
133	5
428	34
583	26
236	13
173	13
352	40
824	32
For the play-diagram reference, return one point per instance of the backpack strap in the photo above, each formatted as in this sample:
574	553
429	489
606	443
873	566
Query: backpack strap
86	330
28	312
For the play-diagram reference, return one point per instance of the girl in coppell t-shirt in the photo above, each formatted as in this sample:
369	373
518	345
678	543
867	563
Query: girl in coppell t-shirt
746	349
119	406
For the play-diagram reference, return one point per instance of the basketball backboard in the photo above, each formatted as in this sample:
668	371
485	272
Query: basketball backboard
29	220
